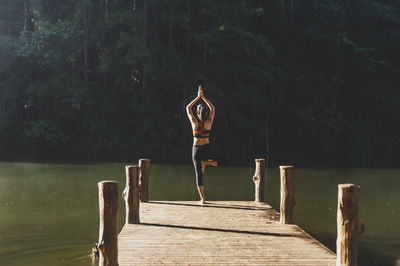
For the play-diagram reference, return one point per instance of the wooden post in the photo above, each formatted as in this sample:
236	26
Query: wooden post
287	194
144	165
131	194
108	231
258	180
349	225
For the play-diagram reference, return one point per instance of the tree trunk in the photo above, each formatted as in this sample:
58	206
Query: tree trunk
25	14
349	225
258	179
144	81
287	6
287	195
108	231
144	165
170	29
104	41
131	194
85	45
9	17
106	11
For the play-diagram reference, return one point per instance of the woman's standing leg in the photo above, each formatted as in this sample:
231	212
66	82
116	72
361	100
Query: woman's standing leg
196	157
201	193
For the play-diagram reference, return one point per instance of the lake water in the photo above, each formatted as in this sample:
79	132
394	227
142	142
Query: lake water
49	212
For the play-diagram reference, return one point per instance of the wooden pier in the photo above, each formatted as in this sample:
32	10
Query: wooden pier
218	233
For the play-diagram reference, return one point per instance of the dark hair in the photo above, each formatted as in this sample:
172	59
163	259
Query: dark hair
204	112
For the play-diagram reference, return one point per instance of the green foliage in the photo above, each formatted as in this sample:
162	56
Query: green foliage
49	45
309	82
43	132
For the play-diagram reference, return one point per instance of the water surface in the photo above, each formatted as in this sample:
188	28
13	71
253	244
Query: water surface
49	212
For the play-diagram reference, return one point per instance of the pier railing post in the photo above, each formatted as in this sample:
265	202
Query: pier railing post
144	165
259	180
108	230
349	225
287	194
131	194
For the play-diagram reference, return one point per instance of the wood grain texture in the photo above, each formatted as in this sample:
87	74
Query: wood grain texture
108	228
144	165
287	194
218	233
349	225
131	194
258	180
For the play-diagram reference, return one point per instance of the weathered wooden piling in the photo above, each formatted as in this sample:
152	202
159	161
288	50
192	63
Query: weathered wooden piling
259	180
108	230
144	165
349	225
287	194
131	194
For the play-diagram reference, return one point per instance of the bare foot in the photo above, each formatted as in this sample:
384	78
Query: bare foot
212	163
209	162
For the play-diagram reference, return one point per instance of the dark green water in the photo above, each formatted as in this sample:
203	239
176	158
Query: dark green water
49	212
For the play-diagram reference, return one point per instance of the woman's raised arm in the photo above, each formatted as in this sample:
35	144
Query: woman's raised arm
189	107
209	104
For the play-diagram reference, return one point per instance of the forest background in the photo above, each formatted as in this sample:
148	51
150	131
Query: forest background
304	82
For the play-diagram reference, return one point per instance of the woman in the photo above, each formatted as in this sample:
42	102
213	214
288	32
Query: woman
201	125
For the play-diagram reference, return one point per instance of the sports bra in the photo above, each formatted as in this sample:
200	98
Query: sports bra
200	131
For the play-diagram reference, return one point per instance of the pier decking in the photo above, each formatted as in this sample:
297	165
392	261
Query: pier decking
218	233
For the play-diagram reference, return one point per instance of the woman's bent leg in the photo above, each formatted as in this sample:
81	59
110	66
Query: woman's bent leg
209	157
209	162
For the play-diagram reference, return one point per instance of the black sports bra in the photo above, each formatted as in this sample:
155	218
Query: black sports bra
200	131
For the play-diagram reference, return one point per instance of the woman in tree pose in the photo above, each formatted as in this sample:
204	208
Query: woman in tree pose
201	125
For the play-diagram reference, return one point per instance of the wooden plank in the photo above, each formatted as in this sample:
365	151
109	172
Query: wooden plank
218	233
